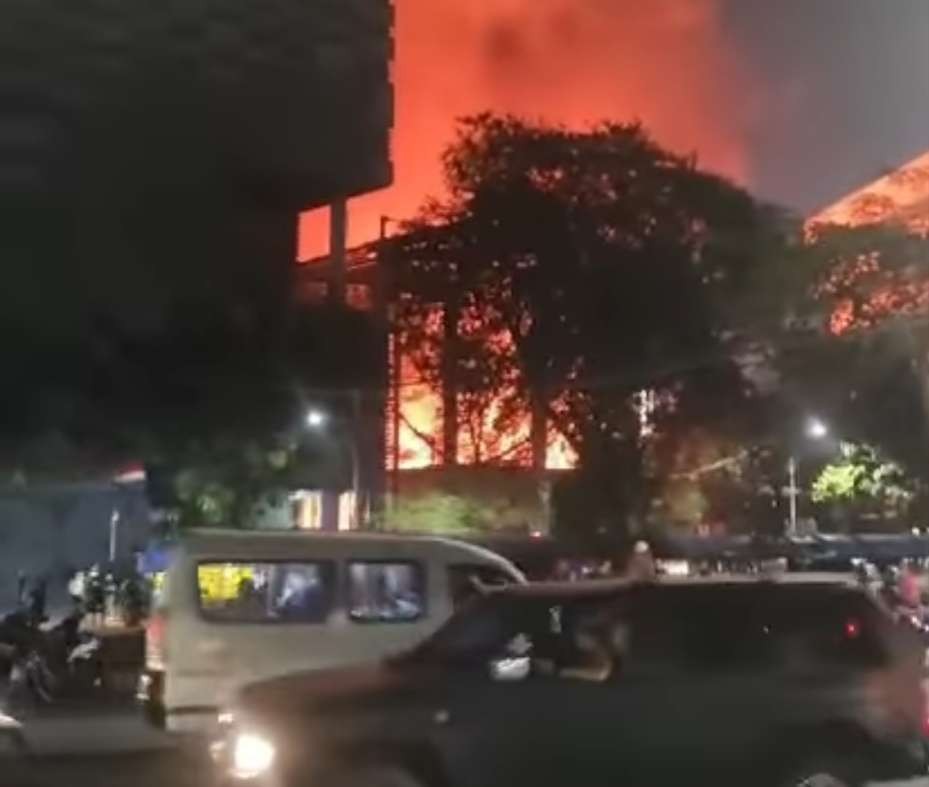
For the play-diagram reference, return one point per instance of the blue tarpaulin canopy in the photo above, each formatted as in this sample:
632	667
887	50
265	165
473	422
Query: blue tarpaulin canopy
155	558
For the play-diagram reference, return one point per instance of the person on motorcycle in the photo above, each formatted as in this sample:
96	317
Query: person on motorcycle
132	600
37	600
94	595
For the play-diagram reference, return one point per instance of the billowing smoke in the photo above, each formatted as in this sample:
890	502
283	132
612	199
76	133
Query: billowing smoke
664	62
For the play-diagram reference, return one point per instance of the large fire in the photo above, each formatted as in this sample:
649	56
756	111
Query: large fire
566	62
901	196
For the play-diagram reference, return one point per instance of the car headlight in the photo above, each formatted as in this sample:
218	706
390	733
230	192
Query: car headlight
252	755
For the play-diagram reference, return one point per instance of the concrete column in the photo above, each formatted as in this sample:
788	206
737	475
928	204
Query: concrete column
338	230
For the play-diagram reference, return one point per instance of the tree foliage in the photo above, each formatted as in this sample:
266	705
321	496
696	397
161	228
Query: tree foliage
870	275
194	357
232	481
867	370
865	478
582	267
446	513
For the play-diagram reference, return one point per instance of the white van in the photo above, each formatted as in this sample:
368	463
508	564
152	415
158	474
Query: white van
242	606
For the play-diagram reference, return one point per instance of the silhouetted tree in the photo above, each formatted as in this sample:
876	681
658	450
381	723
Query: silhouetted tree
575	269
863	363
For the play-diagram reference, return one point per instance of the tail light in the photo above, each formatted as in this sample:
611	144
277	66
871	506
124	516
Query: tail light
155	646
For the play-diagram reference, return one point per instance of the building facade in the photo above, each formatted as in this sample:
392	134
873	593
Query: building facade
157	135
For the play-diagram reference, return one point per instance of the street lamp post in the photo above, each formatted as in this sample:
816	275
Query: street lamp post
816	430
792	493
316	420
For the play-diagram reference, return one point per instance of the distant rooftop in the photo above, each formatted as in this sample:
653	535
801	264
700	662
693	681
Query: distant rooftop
898	196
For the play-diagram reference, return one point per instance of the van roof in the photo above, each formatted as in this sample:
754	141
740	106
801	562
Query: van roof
219	543
217	535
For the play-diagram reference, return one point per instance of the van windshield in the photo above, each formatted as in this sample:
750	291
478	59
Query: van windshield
266	592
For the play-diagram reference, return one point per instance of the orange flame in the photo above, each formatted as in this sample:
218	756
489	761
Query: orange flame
563	61
901	196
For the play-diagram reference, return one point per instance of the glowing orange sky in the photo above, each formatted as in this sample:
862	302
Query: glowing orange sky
665	62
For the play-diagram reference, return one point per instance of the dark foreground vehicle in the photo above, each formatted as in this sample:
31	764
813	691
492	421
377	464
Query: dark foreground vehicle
718	682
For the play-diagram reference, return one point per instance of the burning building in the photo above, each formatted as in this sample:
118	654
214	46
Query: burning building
900	196
435	442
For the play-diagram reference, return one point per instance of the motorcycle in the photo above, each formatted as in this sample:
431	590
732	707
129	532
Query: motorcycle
25	675
40	663
73	655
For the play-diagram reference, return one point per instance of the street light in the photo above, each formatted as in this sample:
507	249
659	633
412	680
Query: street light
316	420
815	430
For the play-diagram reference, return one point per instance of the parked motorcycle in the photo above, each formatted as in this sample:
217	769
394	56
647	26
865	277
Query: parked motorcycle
26	678
41	663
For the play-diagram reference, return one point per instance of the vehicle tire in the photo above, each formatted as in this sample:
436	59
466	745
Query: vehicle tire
375	776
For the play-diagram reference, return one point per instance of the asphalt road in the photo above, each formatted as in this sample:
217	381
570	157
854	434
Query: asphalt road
114	749
150	769
137	770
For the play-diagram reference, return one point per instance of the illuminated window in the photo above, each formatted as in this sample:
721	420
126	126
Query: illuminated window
308	510
359	297
346	510
285	592
313	235
385	592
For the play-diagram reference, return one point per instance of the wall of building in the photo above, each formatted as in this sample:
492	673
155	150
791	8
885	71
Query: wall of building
288	101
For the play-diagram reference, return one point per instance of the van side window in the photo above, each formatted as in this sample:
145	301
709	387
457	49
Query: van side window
278	592
465	581
385	592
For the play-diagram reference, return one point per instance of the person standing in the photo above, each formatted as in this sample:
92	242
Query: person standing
37	601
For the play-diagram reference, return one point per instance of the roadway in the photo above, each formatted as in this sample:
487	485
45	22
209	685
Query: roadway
115	748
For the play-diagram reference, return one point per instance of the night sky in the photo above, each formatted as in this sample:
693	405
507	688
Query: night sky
846	91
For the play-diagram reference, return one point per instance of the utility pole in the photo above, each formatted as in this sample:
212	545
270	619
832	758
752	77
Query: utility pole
792	493
354	439
387	279
338	229
450	316
814	430
114	533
